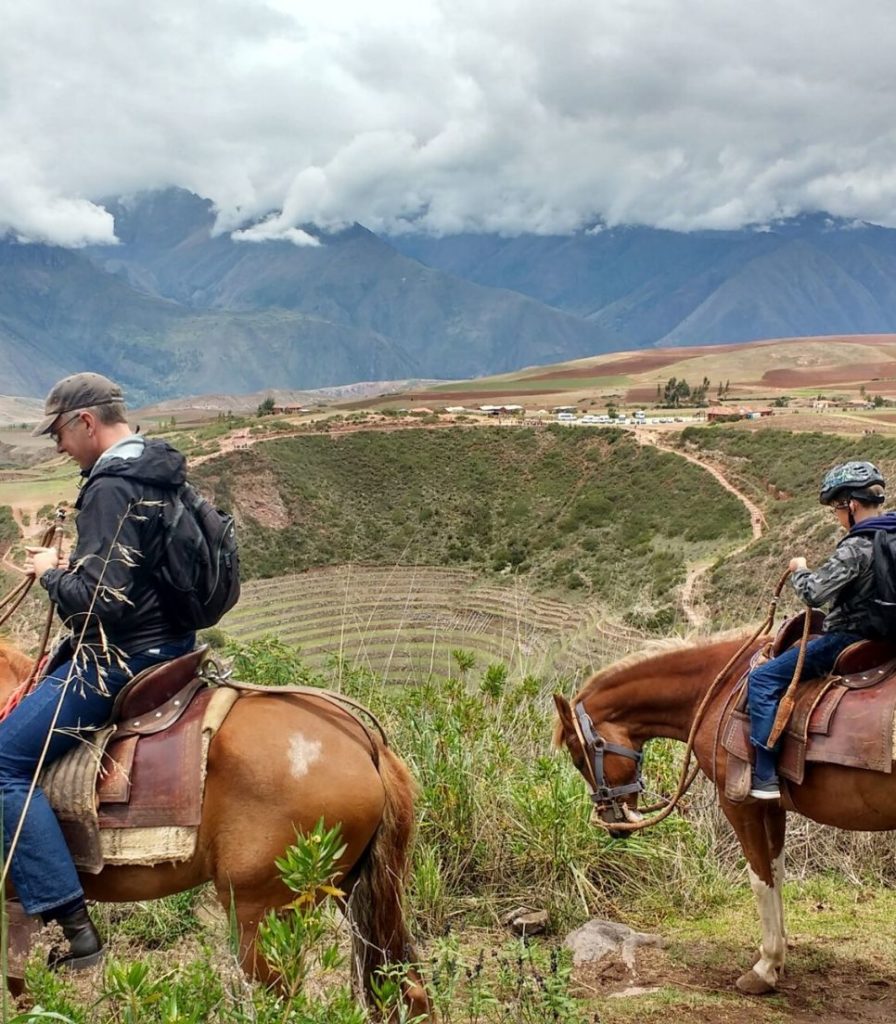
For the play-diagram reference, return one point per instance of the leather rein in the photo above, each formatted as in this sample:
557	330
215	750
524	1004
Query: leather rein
52	538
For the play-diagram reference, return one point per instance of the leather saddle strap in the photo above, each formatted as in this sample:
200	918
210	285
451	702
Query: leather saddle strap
347	705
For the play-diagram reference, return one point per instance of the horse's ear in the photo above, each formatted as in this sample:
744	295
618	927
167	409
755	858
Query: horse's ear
563	708
565	729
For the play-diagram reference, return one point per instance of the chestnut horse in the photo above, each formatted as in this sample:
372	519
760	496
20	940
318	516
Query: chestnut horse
278	764
657	695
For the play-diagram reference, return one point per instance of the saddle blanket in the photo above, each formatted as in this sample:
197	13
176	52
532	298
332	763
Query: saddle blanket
137	800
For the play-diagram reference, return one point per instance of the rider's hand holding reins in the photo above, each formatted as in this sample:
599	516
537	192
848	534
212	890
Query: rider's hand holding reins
38	560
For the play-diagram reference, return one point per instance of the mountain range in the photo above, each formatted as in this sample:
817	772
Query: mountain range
176	308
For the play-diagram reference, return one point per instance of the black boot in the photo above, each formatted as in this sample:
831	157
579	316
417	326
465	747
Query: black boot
85	945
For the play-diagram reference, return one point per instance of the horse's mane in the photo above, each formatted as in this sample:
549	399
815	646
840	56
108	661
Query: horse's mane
653	648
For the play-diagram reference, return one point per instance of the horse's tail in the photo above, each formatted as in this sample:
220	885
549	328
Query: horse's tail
380	934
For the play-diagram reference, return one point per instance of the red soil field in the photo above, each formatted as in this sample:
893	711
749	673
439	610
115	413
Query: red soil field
461	396
640	395
639	362
793	378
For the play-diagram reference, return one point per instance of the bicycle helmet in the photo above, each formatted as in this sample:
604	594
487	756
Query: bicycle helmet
852	480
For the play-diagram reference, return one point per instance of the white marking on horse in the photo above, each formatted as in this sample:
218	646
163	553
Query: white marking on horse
302	754
770	904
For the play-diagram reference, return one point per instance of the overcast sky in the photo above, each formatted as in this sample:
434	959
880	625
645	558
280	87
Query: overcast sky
463	115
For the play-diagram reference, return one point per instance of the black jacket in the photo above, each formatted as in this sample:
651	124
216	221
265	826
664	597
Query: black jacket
110	591
846	580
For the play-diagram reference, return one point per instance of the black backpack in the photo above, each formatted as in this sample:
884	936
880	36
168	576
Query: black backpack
882	611
200	565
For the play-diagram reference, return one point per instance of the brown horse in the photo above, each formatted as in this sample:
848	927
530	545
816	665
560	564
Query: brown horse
657	695
279	763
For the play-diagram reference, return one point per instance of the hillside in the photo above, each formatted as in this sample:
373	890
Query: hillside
60	313
645	287
549	550
781	472
575	512
836	367
176	308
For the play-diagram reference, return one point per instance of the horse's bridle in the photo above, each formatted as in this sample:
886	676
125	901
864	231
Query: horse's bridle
594	746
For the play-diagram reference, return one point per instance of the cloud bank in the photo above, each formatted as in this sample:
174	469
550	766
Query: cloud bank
445	117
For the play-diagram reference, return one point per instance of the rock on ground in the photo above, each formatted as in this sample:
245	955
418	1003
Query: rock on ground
596	939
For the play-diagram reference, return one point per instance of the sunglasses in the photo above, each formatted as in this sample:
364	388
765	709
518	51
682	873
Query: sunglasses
56	433
838	506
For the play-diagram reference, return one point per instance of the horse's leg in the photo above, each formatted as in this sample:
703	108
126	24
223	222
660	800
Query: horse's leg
760	829
246	914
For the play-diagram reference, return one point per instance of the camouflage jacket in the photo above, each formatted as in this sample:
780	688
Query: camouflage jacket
845	582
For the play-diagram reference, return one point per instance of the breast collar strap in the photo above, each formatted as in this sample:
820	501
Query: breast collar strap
595	746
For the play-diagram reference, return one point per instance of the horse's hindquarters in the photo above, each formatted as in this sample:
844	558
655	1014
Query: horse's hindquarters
277	766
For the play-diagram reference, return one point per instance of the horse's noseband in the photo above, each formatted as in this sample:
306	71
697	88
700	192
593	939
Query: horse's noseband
606	797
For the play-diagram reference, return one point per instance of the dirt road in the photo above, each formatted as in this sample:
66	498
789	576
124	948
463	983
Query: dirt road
690	602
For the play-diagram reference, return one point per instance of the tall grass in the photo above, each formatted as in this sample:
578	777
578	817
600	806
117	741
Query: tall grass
503	820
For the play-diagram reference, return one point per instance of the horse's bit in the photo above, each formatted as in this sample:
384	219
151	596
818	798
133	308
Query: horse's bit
594	746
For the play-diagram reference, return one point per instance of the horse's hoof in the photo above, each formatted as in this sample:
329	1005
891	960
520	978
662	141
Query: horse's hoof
752	985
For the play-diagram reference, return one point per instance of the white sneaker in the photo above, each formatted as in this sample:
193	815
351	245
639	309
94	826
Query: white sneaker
765	789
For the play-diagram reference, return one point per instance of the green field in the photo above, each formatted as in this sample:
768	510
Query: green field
31	488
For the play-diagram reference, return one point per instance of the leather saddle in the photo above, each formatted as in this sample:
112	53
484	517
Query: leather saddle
845	718
145	769
149	704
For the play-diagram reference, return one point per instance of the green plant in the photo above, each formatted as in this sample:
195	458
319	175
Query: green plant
9	528
464	660
520	982
494	681
158	924
303	938
269	661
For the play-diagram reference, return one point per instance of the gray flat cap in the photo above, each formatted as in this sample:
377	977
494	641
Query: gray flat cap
79	391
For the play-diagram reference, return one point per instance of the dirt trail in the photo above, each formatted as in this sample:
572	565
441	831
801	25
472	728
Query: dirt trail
690	603
238	440
695	986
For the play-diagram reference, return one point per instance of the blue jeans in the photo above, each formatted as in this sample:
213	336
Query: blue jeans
42	870
768	684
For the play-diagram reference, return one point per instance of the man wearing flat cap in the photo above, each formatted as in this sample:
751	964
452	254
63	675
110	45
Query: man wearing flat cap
108	598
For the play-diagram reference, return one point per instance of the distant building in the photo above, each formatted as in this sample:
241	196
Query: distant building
501	410
728	414
288	410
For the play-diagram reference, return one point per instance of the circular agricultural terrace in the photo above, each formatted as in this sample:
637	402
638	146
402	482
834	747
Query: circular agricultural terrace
404	622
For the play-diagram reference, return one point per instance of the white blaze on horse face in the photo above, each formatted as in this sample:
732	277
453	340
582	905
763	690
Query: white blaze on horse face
302	754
